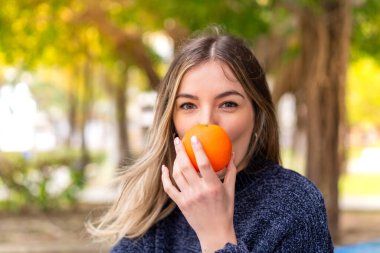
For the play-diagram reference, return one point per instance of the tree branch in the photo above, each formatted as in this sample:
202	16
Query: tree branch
128	45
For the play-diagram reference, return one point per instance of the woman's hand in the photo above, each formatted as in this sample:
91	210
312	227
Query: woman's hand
205	201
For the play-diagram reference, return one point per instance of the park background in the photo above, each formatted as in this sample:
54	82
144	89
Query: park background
77	95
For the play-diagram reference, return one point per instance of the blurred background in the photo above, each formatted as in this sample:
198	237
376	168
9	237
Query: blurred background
78	81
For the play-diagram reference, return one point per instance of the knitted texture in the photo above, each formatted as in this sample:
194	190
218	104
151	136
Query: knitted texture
276	210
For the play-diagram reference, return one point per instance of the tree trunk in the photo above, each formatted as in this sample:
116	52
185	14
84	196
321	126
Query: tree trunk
72	115
117	90
86	99
120	93
324	49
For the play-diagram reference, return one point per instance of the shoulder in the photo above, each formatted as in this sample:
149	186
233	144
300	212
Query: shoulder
276	181
171	234
284	192
144	243
282	209
128	245
291	182
297	189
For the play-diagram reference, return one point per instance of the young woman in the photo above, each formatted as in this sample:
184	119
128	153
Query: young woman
166	206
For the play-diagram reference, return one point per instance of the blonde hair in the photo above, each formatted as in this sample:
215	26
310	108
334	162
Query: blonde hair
142	201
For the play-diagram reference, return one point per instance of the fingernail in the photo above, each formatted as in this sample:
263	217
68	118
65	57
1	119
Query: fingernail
176	141
194	139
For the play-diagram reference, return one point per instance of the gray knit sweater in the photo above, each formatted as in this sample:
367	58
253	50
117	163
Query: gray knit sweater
276	210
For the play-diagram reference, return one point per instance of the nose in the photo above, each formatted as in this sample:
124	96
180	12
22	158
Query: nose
208	116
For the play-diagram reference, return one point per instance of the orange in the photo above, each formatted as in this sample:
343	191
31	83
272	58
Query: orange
215	142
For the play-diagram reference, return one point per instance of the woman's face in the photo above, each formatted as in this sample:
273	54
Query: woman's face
209	93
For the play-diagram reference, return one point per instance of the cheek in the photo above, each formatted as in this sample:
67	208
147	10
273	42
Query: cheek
182	125
240	133
181	130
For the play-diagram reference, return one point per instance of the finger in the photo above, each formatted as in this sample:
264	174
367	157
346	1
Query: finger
169	188
178	177
204	164
230	177
184	163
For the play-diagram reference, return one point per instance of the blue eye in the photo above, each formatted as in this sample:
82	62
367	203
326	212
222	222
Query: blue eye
187	106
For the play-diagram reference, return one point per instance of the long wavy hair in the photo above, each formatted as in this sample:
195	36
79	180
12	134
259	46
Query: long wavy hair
142	201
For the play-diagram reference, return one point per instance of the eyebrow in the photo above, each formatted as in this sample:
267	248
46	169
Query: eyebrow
221	95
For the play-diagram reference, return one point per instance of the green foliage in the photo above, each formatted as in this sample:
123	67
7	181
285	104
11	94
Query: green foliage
363	89
42	181
365	31
44	33
247	18
359	185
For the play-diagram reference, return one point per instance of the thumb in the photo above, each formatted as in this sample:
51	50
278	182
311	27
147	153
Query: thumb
230	177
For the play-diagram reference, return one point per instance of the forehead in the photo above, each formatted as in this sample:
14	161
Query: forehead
208	74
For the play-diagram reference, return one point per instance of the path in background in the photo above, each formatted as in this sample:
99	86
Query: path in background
359	226
63	232
58	232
